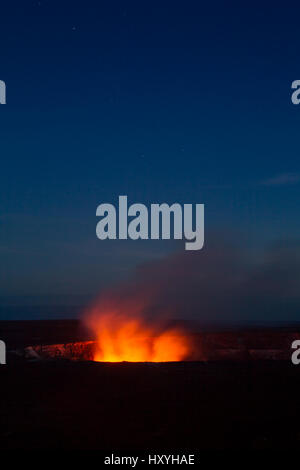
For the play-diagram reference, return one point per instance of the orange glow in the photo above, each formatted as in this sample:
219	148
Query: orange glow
129	338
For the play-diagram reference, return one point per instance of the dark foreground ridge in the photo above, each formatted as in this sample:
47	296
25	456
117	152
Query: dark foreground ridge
55	403
86	405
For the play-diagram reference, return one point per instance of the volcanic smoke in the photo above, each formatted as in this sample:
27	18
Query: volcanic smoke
125	335
216	286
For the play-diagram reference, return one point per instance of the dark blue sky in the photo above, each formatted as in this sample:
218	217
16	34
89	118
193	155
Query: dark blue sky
162	101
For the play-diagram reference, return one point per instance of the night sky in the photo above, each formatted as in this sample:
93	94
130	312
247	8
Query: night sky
185	102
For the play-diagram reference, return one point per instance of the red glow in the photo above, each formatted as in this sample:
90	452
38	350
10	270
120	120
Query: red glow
123	337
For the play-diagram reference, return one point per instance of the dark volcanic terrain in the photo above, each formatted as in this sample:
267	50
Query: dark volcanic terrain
171	406
224	404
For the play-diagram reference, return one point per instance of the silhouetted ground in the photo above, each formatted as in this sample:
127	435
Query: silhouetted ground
60	404
171	406
23	333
